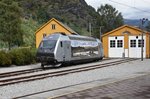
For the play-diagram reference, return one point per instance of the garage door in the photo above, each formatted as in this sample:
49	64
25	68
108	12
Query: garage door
135	46
116	46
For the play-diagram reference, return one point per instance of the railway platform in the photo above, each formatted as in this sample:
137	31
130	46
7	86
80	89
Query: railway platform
132	88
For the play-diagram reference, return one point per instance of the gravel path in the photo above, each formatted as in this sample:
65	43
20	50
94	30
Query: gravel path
122	71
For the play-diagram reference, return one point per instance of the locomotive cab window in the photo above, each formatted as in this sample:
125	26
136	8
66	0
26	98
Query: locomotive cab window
61	44
48	44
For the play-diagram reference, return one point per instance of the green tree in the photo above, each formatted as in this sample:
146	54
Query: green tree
109	18
10	23
148	26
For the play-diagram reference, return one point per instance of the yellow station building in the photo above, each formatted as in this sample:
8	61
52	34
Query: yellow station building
125	41
52	26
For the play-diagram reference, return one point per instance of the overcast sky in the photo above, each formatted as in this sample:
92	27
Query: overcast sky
126	7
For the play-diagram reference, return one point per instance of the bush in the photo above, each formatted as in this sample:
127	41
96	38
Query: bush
5	59
33	55
19	56
29	55
23	56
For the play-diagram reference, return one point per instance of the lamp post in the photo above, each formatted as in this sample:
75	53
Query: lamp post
142	41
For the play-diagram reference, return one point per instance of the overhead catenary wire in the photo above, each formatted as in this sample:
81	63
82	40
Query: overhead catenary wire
129	6
146	2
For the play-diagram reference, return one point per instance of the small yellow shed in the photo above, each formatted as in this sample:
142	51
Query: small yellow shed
52	26
126	41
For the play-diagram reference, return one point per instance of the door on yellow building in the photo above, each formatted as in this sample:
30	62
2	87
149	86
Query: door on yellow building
116	46
135	44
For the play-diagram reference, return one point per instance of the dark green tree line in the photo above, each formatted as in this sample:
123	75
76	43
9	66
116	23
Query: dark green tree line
148	26
10	20
109	18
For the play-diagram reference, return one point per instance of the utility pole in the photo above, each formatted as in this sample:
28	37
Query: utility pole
90	29
142	40
100	31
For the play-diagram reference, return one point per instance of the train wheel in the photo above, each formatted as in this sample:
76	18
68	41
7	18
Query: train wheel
42	65
101	58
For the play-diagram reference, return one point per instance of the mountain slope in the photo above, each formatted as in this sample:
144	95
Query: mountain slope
133	22
75	14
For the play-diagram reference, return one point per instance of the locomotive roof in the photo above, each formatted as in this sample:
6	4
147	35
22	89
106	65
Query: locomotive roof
52	36
79	37
55	36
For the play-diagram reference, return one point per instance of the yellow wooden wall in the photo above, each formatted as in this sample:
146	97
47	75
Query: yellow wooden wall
47	29
119	32
148	46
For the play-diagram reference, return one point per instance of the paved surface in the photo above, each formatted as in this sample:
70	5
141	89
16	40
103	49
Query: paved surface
135	88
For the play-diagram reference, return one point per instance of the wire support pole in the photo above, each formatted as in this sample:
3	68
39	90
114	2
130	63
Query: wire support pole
142	40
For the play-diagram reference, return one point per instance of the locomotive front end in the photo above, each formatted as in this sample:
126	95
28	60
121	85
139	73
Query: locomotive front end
45	53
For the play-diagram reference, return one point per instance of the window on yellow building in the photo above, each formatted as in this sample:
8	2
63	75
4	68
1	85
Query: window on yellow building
53	26
132	43
140	43
44	35
119	43
112	43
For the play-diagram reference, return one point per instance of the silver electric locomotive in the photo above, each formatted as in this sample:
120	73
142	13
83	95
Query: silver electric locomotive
58	48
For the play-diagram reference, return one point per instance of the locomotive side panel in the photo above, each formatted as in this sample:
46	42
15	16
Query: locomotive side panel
63	49
101	50
66	51
59	51
84	48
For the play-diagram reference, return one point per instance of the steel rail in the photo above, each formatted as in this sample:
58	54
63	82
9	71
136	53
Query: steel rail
59	73
31	94
21	72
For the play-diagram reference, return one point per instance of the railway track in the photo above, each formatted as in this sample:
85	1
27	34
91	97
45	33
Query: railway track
50	90
20	72
26	71
26	78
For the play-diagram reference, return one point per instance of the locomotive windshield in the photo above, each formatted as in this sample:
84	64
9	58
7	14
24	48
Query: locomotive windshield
48	44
